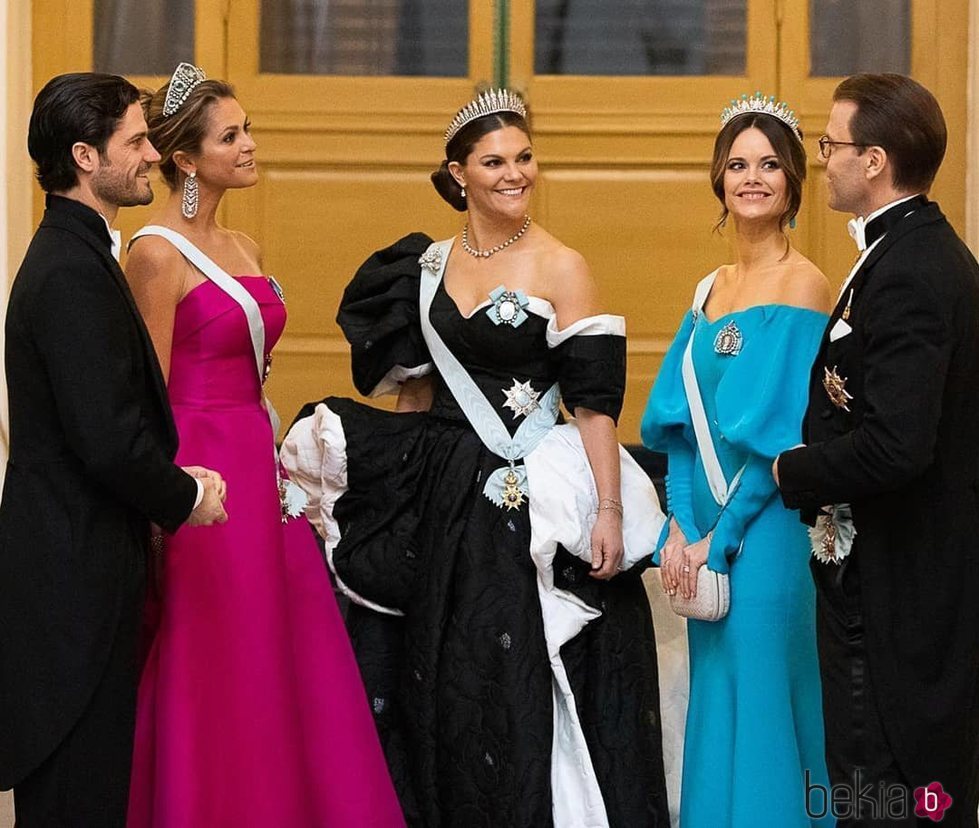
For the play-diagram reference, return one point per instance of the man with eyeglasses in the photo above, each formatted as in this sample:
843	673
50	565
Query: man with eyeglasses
889	473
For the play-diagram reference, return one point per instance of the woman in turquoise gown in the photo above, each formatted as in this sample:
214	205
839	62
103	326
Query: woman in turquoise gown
753	745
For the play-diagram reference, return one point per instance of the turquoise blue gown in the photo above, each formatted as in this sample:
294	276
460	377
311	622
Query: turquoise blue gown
754	723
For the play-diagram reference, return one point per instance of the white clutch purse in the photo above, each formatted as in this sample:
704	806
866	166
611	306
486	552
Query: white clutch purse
713	598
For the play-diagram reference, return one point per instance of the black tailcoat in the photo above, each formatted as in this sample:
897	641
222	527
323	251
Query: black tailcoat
91	444
906	457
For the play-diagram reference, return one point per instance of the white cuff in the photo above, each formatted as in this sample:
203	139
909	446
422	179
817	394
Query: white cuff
200	492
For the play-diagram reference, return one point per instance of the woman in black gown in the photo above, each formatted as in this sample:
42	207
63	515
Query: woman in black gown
503	698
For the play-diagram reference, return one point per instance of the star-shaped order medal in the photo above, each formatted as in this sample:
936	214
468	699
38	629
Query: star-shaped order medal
835	386
521	398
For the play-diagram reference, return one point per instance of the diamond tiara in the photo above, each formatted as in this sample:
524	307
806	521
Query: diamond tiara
185	77
490	102
766	105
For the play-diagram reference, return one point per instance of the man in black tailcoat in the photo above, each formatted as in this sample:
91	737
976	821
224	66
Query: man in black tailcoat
91	444
890	472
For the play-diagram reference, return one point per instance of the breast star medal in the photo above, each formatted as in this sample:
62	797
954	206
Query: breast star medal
521	398
512	495
835	386
728	340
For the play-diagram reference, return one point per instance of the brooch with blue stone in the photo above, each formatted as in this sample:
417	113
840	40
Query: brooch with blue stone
728	340
431	259
521	399
508	307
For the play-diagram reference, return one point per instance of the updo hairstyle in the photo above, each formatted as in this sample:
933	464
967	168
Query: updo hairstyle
184	130
462	144
788	149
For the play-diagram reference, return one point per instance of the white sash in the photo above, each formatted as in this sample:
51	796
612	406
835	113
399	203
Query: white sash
256	330
716	480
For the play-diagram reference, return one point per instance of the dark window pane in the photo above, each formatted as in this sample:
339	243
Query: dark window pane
366	37
640	37
133	37
866	36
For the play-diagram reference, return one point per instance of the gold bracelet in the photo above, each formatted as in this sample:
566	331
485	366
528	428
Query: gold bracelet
611	507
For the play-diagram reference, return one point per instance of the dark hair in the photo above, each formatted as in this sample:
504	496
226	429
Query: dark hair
900	115
182	131
462	144
81	106
788	149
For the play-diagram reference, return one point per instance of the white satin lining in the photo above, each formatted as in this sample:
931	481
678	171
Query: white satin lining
392	381
605	323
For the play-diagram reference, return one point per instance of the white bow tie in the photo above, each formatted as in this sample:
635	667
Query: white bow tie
857	228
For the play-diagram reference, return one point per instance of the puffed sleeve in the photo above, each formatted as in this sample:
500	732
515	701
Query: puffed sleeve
591	363
760	404
666	427
379	316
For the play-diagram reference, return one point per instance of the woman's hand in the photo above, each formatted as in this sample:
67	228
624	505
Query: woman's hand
671	558
606	545
694	557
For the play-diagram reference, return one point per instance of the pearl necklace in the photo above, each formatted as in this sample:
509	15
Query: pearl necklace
485	254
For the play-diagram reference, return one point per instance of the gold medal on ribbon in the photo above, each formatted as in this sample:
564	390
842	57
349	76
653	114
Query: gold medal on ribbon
512	494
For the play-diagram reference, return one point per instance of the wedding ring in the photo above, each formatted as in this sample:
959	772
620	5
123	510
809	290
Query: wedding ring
686	568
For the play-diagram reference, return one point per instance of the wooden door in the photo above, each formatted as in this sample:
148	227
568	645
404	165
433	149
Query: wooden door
348	113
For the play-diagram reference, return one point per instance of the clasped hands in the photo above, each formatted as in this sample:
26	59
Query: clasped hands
211	508
680	562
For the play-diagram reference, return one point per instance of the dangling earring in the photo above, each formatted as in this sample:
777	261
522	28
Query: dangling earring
188	204
463	193
792	223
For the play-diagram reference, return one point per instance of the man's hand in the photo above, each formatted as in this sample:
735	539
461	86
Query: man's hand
202	474
211	508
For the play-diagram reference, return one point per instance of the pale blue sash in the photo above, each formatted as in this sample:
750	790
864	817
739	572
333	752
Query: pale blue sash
479	411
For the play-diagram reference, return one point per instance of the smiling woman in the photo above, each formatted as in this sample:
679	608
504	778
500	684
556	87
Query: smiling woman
729	397
249	633
500	621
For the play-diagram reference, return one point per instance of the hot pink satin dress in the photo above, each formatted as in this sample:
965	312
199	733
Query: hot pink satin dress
251	710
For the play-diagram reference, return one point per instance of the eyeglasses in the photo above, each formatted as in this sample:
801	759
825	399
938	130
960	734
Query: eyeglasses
826	146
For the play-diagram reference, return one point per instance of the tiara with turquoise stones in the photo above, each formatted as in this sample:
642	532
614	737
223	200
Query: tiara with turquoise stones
488	103
765	105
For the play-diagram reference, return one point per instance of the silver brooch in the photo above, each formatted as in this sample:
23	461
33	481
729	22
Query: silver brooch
508	307
431	259
728	340
521	399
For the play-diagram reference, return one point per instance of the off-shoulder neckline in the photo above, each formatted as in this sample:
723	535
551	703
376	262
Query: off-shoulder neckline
768	309
547	315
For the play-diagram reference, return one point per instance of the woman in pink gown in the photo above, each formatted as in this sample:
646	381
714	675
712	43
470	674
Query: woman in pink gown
251	711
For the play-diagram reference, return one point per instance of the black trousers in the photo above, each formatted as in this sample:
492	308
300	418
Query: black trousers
863	771
84	783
